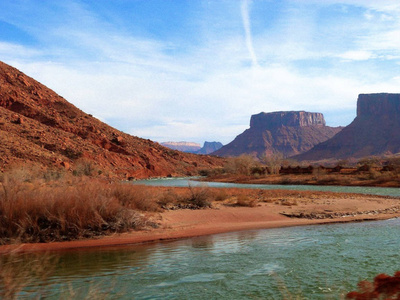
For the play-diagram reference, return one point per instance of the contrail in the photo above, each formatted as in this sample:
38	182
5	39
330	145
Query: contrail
246	24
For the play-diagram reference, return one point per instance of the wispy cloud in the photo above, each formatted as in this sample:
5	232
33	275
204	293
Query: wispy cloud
247	29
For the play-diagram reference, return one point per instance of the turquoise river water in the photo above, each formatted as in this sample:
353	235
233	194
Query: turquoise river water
308	262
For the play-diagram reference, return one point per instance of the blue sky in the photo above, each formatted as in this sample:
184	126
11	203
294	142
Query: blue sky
193	70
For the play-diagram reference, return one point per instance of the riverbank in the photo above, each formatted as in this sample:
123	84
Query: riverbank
279	209
359	179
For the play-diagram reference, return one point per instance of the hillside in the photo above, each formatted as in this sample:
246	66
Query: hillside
39	126
288	133
374	131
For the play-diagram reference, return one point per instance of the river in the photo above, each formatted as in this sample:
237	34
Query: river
309	262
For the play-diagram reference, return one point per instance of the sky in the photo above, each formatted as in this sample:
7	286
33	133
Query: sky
196	70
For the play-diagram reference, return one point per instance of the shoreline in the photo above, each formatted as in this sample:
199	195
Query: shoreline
185	223
306	179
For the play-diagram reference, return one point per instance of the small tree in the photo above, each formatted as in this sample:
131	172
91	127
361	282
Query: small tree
241	165
273	162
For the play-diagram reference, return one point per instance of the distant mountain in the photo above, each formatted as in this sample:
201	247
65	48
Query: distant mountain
285	132
375	131
183	146
191	147
210	147
37	125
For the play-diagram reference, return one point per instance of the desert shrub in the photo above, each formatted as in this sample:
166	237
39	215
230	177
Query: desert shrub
168	198
136	197
220	195
197	197
72	154
383	287
85	167
211	172
244	200
288	202
53	175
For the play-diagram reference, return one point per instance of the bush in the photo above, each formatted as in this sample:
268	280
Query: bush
383	287
243	200
241	165
199	197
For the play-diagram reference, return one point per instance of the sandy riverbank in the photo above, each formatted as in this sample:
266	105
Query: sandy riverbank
287	209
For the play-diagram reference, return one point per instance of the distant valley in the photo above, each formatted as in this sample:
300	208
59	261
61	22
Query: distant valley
190	147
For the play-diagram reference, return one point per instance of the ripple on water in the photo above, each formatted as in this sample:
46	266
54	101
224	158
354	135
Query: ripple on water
266	269
204	277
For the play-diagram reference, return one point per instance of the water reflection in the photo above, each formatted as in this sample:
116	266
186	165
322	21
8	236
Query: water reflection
315	261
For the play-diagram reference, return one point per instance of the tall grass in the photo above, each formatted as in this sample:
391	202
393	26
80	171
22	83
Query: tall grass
46	205
31	212
35	210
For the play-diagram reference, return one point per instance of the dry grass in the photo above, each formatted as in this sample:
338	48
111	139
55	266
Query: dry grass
42	213
35	210
44	206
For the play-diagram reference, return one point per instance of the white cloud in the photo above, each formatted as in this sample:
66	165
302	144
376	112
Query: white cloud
357	55
209	91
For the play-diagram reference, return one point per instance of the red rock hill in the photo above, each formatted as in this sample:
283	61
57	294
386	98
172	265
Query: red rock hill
285	132
37	125
375	131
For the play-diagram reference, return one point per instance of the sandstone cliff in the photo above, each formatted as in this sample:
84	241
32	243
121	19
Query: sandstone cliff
37	125
288	133
375	131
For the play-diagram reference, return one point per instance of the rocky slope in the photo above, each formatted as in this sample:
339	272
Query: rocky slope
288	133
375	131
39	126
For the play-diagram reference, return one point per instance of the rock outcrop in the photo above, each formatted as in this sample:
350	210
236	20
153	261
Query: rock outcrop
39	126
286	132
375	131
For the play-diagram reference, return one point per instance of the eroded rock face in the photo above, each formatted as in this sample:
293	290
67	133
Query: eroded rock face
288	133
39	126
375	131
286	118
